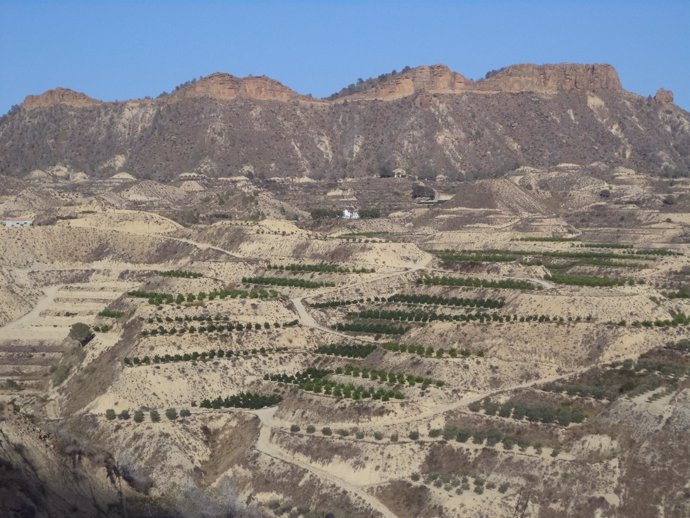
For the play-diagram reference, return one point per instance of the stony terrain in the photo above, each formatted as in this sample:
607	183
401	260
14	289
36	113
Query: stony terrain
223	343
426	121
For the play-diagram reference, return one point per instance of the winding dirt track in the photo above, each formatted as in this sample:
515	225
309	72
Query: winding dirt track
268	421
265	446
25	321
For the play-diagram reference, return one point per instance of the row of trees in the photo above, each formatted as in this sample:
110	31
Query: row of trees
347	350
491	436
588	280
337	303
471	282
592	391
317	268
439	300
414	316
110	313
189	318
541	413
184	274
310	374
281	281
480	317
103	328
387	376
430	352
138	416
215	328
340	390
539	239
679	319
158	299
374	328
251	400
198	356
478	256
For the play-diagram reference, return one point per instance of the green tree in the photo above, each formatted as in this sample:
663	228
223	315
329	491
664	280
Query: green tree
80	332
138	416
110	414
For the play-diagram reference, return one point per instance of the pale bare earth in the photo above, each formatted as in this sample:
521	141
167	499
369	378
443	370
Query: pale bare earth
402	455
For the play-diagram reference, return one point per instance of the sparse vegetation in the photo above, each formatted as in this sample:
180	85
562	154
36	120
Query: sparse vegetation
374	328
183	274
470	282
317	268
249	400
347	350
158	299
282	281
109	313
588	280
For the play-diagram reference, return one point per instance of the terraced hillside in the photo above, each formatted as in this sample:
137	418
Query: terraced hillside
518	350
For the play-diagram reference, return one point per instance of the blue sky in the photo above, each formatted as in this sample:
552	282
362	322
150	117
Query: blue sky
126	49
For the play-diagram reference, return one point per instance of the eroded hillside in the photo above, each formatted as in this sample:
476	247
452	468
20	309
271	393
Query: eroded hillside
501	347
426	121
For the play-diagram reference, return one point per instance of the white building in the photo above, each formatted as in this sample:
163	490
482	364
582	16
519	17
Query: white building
350	214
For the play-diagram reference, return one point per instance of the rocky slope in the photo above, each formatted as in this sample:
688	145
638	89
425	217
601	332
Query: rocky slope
427	120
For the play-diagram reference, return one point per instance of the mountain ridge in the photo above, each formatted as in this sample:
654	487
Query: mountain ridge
547	79
426	121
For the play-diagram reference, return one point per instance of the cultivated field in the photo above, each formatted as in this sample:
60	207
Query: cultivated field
517	359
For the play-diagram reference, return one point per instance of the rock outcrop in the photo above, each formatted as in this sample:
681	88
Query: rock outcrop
439	79
426	120
226	87
58	96
552	79
664	96
430	79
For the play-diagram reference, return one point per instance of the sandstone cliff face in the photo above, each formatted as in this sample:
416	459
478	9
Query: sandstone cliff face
541	79
225	87
427	120
551	79
63	96
430	79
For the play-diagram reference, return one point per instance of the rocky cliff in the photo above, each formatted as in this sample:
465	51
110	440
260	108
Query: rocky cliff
59	96
225	87
427	120
552	79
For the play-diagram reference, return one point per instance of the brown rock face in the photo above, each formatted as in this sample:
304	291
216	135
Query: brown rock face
431	79
664	96
552	79
543	79
226	87
63	96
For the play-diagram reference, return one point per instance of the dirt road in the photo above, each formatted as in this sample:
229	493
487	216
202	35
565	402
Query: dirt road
265	446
